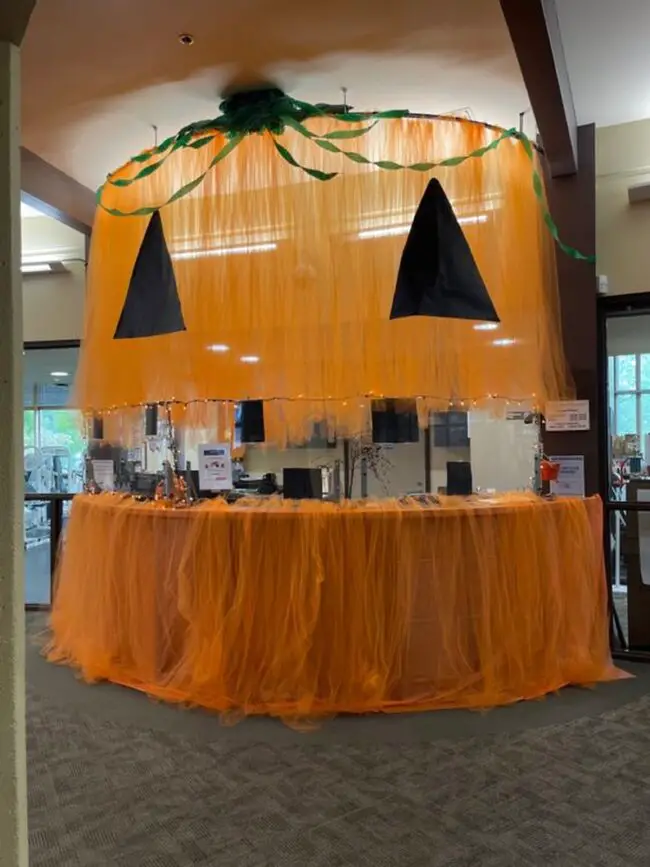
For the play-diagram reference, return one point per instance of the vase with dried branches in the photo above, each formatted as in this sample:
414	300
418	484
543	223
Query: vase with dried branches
362	451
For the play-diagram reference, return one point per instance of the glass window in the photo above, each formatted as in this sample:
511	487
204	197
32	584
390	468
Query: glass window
37	552
645	423
29	428
61	445
626	371
625	414
54	442
644	378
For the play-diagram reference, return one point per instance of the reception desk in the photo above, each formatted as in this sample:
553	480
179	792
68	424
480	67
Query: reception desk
301	610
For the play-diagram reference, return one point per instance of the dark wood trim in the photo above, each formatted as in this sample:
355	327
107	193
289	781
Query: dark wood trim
51	344
14	18
48	498
622	305
603	417
55	194
427	458
572	200
631	656
535	33
627	506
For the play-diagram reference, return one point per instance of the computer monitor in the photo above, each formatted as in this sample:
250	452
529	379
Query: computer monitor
459	478
300	483
249	422
151	420
144	484
395	421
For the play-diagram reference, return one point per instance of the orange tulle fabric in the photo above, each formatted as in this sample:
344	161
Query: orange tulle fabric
305	610
300	274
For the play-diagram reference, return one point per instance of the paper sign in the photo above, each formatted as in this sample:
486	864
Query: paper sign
215	467
571	478
563	415
104	475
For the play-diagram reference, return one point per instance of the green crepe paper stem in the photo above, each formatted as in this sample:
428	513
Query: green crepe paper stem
183	191
538	187
314	173
184	137
326	141
416	167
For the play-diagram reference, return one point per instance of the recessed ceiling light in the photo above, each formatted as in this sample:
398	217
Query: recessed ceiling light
486	326
218	347
503	341
186	39
58	373
250	359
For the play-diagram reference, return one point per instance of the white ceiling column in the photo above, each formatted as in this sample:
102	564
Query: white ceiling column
13	768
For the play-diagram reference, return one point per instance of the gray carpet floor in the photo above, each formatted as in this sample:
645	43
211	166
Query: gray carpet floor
117	780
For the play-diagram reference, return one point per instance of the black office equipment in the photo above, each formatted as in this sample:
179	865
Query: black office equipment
249	422
300	483
97	432
144	484
459	478
151	420
395	421
203	495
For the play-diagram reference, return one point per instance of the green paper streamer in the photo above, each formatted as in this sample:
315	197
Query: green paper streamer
183	191
277	111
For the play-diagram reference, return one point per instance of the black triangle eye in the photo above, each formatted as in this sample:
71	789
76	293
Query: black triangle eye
152	306
437	274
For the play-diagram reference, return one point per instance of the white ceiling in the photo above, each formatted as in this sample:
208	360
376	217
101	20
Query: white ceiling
92	94
606	46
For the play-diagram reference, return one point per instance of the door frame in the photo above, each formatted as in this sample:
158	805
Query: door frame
609	306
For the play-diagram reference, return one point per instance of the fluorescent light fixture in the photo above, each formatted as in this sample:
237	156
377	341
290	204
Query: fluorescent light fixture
385	232
59	373
36	268
503	341
250	359
224	251
218	347
473	220
403	229
486	326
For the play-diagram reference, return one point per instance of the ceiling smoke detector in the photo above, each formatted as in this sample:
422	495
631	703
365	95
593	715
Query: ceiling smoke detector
186	39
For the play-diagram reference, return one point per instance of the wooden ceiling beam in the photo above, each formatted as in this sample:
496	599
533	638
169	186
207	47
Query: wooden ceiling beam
14	18
535	33
55	193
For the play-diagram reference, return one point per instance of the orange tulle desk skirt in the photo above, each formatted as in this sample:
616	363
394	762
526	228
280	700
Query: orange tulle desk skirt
305	610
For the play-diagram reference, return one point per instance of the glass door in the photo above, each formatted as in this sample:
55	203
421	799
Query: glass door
53	460
627	502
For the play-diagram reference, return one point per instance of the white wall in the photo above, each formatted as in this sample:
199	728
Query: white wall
503	452
53	303
623	230
405	474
